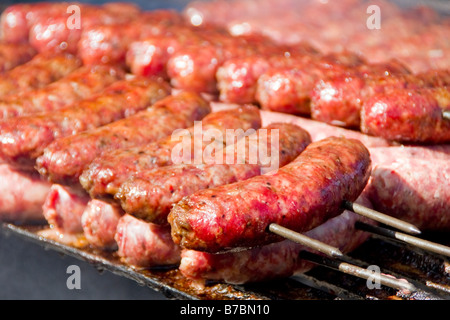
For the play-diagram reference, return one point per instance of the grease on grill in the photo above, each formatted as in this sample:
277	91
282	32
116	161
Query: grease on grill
430	270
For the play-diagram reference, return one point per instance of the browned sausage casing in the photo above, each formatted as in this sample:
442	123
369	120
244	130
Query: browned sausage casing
14	54
41	70
300	196
80	84
275	260
23	139
59	32
150	194
17	19
109	43
65	159
339	100
414	116
106	173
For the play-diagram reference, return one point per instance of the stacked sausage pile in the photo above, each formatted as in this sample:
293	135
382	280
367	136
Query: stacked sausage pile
378	30
358	98
93	118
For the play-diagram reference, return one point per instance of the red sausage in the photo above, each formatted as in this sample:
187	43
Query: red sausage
65	159
41	70
288	89
16	20
150	54
237	78
106	173
194	67
300	196
408	115
109	43
276	260
62	31
150	194
339	100
23	139
78	85
14	54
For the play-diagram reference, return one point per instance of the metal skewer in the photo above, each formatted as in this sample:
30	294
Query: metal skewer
446	114
305	240
359	272
335	257
381	217
332	251
420	243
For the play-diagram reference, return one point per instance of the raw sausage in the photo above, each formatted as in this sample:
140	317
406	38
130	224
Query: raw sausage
99	222
145	245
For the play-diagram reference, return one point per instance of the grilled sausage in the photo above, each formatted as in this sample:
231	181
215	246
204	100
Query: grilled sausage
276	260
194	67
63	208
22	194
150	194
237	78
106	173
99	222
23	139
60	33
289	89
339	100
145	245
41	70
80	84
300	196
408	115
14	54
65	159
16	20
150	55
109	43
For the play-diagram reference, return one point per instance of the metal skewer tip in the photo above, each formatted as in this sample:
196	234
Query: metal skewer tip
446	114
347	268
417	242
305	240
381	217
